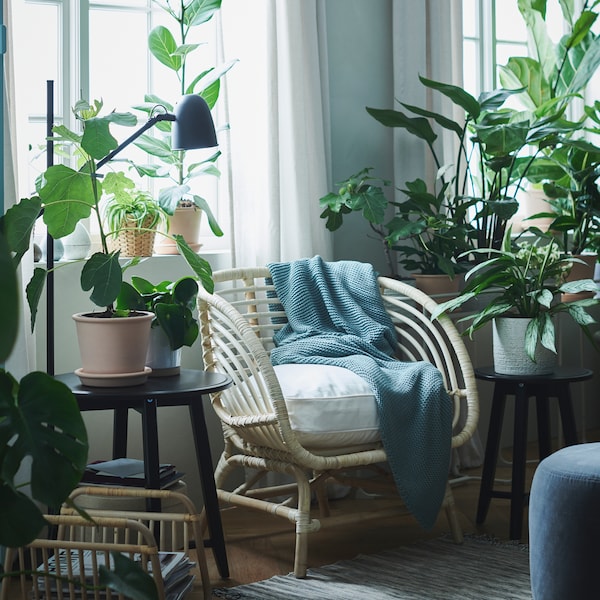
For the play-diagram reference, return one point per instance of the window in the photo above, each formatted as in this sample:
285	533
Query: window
92	50
493	31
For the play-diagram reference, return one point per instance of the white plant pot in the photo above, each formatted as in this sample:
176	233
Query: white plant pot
510	357
160	358
113	350
78	244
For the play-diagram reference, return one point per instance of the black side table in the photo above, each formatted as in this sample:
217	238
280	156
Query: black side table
523	387
187	388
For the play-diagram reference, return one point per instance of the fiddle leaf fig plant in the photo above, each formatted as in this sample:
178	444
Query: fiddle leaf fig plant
173	50
67	195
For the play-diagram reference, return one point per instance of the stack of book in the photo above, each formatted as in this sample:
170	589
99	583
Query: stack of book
127	472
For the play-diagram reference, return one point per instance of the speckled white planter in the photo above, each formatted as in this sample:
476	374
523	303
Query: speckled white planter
510	357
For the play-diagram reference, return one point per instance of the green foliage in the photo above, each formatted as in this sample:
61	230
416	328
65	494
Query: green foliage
125	202
549	83
39	420
524	279
172	51
171	302
68	195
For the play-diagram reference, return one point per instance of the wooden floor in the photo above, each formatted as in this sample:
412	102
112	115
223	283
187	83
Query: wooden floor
260	545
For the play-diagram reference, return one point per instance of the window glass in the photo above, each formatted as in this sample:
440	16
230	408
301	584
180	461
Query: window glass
510	26
118	72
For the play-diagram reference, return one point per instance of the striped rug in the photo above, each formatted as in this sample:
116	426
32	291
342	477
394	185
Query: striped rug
479	569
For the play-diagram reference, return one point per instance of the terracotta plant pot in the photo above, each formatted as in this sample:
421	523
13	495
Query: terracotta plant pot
113	350
510	357
439	285
184	221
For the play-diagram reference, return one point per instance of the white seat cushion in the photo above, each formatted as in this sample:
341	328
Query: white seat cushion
328	406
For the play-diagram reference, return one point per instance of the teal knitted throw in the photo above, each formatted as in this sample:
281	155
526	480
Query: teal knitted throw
336	317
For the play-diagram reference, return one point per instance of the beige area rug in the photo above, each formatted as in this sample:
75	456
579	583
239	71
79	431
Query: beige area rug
479	569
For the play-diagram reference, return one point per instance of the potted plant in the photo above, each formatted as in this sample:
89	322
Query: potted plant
498	147
183	206
427	232
174	324
132	214
39	420
66	196
523	281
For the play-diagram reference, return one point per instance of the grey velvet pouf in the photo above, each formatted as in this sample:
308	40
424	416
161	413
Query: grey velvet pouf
564	525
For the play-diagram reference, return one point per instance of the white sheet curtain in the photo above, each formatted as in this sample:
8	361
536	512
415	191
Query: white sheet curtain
275	97
22	358
437	54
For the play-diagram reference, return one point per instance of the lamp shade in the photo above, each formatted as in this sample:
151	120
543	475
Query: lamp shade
193	126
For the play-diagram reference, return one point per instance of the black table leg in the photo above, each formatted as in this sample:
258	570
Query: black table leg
519	461
209	491
120	424
567	415
492	449
151	459
543	424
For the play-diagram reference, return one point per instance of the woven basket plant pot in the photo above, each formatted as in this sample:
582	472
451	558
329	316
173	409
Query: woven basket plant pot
510	357
132	241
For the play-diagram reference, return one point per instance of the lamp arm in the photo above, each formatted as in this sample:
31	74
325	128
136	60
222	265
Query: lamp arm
147	125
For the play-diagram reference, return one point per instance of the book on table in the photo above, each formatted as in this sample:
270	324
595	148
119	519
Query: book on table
127	472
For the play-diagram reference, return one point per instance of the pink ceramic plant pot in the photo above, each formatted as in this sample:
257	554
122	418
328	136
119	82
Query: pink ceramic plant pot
113	350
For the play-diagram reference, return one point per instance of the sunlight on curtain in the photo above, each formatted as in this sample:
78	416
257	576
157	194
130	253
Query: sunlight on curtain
275	107
435	55
22	358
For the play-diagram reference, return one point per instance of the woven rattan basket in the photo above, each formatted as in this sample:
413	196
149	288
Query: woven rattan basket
133	242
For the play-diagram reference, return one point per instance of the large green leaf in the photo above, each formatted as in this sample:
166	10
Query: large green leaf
171	318
97	139
160	148
525	72
68	197
534	19
163	47
129	298
586	68
418	126
210	77
34	290
185	291
18	224
103	275
502	139
9	300
50	430
199	265
200	11
440	119
458	96
40	419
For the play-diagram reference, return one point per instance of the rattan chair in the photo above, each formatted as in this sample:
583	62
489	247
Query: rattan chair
237	327
131	532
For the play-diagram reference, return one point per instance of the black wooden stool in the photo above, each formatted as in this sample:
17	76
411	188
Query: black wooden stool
523	387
